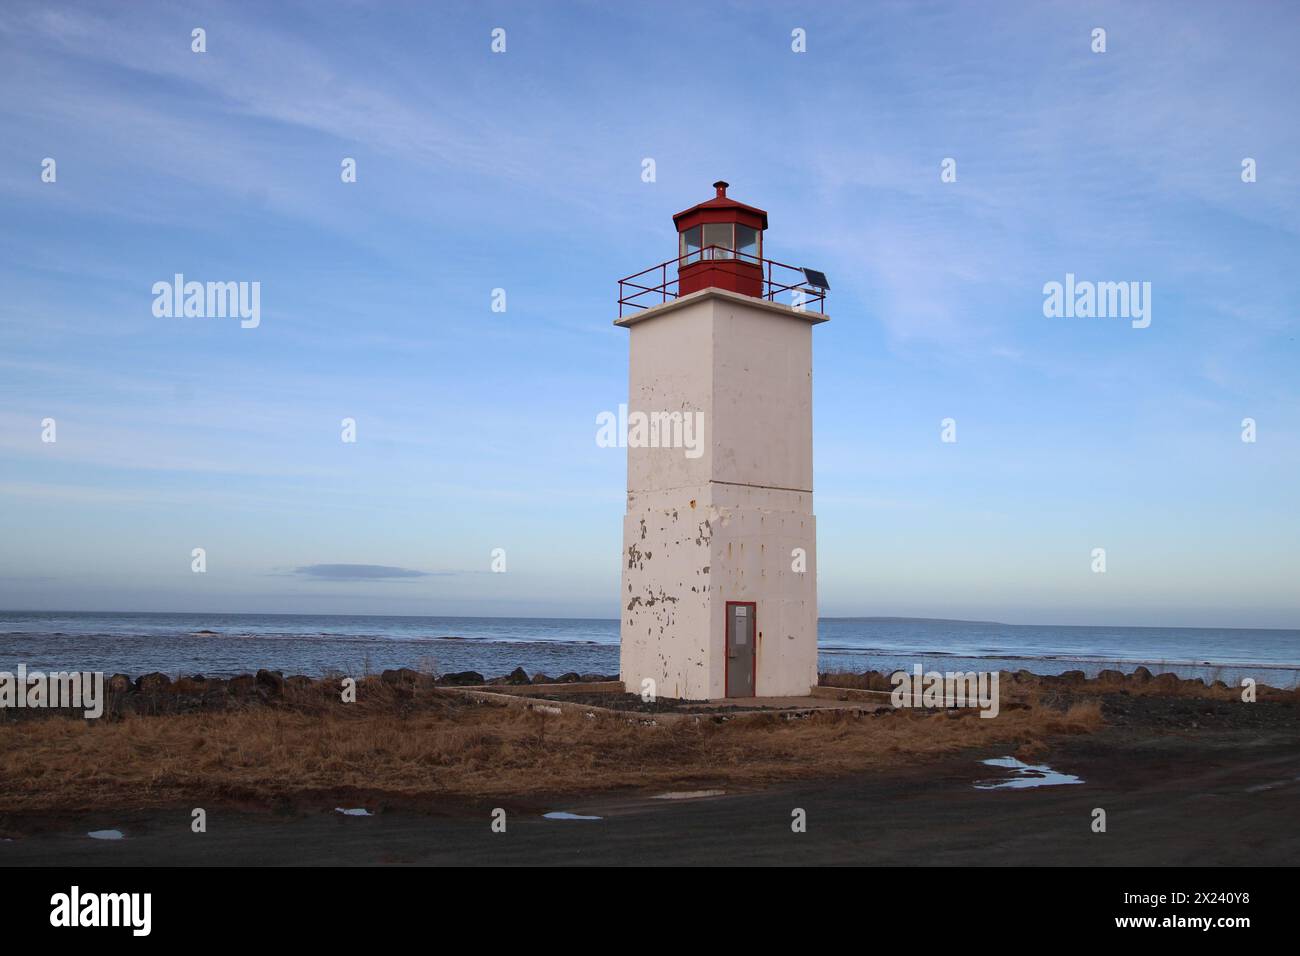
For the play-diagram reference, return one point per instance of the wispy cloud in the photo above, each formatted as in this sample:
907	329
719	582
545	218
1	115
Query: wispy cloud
363	572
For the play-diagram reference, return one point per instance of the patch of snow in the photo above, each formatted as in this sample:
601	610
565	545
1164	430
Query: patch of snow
1024	775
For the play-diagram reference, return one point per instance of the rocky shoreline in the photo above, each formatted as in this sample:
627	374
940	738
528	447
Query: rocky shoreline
1141	677
157	693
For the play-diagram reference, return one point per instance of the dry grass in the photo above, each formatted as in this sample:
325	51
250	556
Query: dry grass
1183	689
404	746
1109	682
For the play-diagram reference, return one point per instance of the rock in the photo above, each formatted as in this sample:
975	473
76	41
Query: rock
1074	677
540	678
1167	681
119	684
272	681
403	675
152	683
518	676
463	679
1219	685
573	677
242	685
1026	677
1140	676
190	686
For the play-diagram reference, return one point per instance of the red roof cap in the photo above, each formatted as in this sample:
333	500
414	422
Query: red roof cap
720	209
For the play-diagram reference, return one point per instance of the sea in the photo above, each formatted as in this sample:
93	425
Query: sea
220	645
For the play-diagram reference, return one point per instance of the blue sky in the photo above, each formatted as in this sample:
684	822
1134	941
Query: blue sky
522	171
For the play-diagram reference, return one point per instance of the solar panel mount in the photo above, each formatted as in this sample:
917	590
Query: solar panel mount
816	279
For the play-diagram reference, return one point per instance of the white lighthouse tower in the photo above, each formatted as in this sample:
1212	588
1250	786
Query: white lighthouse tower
719	580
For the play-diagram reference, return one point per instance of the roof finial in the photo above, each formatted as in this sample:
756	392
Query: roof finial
721	187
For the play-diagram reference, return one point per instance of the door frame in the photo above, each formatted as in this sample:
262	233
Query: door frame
726	657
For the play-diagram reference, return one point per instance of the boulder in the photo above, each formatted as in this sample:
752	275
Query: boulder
1074	677
271	681
152	683
1167	681
1140	676
518	676
1110	676
573	677
403	675
119	684
463	679
242	685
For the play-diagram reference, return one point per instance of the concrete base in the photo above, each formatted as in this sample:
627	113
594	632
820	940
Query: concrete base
543	699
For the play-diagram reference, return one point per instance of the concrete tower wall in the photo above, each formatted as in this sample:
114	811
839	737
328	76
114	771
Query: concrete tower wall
723	526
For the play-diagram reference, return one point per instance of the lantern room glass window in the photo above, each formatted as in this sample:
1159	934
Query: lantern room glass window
720	240
719	234
689	250
747	242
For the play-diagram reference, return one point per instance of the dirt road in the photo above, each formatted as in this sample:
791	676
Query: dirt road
1168	802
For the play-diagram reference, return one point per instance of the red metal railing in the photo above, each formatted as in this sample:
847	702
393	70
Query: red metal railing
778	279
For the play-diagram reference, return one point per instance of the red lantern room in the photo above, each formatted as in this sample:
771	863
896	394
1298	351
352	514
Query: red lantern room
720	245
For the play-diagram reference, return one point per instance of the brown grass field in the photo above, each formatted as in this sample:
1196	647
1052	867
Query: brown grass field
404	744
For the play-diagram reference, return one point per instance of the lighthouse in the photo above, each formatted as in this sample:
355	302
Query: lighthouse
718	594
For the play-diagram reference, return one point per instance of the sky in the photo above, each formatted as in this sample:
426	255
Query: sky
522	170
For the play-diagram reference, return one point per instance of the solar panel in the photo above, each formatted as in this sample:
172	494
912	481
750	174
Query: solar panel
816	279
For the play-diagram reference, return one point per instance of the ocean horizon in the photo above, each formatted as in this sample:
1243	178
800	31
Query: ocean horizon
224	644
